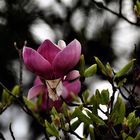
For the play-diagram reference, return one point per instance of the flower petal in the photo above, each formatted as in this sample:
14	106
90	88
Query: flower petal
36	63
72	75
48	50
67	58
37	81
71	88
36	90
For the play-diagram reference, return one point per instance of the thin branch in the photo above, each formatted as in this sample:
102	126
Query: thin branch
123	94
73	132
120	7
20	66
113	95
11	131
25	108
129	92
120	15
2	137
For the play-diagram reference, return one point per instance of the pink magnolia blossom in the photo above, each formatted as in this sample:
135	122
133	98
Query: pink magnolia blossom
66	87
53	65
52	61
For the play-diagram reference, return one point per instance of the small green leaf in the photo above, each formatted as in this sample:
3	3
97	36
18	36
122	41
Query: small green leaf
94	118
16	90
75	98
104	97
98	96
91	132
93	101
6	98
137	136
133	121
118	112
82	65
29	103
127	137
122	82
91	70
86	130
85	96
137	8
81	116
54	111
75	125
109	70
101	66
125	69
50	128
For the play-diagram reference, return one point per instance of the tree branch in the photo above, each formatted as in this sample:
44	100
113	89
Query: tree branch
119	15
11	131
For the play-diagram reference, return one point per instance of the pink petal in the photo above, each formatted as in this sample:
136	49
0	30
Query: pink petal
37	81
48	50
36	63
71	88
67	58
73	75
36	90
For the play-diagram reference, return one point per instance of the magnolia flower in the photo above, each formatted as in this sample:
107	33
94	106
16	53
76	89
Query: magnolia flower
67	87
53	64
52	61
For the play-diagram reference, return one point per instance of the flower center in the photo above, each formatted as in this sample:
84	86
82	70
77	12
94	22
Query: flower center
55	88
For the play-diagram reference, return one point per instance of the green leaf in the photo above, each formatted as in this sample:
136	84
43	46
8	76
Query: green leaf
133	121
50	128
6	98
91	70
29	104
98	96
91	132
85	130
75	125
16	90
127	137
54	111
125	69
109	70
104	97
66	111
81	116
137	136
85	96
122	82
101	66
82	65
118	112
93	101
94	118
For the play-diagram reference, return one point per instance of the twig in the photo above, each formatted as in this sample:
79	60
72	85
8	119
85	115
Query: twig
20	67
120	7
113	95
2	137
73	132
123	94
24	107
120	15
12	134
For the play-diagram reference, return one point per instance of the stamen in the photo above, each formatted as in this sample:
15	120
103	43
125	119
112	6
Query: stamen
55	88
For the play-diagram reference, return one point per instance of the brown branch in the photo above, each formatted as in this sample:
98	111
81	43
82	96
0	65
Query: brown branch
119	15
